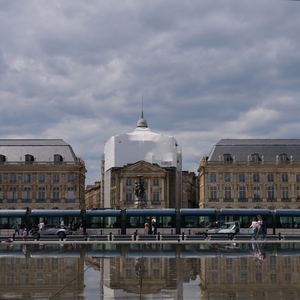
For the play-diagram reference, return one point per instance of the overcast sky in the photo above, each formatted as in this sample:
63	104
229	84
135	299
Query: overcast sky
205	70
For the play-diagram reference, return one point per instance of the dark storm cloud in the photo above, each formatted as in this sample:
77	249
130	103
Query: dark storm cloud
204	70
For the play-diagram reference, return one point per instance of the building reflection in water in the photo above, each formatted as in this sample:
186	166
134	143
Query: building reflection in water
29	272
224	271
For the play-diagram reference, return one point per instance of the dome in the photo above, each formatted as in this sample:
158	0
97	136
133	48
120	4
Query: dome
142	123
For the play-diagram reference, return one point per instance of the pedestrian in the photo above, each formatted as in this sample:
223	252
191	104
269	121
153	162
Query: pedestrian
24	234
153	228
254	225
17	228
41	225
260	228
146	229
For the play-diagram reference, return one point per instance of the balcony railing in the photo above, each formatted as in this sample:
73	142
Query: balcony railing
256	200
228	199
242	200
213	200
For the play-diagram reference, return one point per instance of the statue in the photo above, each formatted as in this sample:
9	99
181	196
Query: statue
139	189
140	193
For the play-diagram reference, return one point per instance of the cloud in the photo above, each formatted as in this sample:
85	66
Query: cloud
206	70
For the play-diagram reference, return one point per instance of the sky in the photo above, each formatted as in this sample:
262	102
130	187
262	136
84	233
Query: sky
200	70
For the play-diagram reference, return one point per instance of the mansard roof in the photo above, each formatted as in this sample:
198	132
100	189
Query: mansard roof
41	149
269	149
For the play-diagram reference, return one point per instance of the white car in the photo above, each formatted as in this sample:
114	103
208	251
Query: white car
59	230
229	228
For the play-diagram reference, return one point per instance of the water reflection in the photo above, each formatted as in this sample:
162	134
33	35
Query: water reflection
195	271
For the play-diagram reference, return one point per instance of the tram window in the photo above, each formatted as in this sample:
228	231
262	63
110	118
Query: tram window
136	222
285	222
96	222
296	223
110	222
11	222
204	221
4	223
245	221
165	222
191	221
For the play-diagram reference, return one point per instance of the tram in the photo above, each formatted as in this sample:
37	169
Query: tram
168	221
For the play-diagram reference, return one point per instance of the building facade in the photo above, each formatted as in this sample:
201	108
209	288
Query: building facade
40	174
93	196
251	173
157	182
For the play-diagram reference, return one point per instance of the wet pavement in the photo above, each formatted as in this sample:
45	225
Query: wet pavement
150	271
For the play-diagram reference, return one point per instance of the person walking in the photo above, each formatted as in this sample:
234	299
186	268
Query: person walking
24	234
260	228
146	229
153	228
17	228
254	225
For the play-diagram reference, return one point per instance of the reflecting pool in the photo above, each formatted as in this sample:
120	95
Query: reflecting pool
154	271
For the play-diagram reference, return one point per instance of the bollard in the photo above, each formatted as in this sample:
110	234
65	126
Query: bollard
110	236
182	236
14	237
101	232
189	231
158	236
86	236
172	231
279	236
134	236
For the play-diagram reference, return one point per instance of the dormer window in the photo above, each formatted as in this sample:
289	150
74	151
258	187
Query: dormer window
2	159
283	158
227	158
29	159
255	158
58	159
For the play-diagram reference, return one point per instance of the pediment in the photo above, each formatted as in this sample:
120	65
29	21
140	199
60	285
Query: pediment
142	166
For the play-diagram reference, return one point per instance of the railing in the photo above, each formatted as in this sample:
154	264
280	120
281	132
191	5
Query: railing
34	163
242	200
61	200
228	200
213	200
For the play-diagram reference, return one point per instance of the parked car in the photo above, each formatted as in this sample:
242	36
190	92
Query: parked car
50	229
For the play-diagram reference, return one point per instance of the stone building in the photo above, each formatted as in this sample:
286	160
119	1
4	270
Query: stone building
93	196
154	157
40	174
189	189
251	173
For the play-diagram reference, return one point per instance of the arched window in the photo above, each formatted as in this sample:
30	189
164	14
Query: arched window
227	158
29	159
283	158
255	158
58	159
